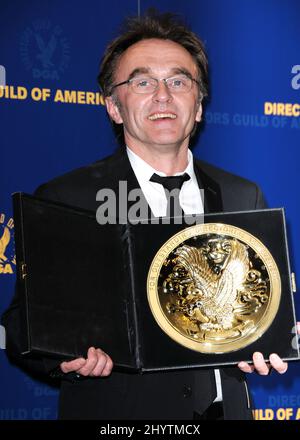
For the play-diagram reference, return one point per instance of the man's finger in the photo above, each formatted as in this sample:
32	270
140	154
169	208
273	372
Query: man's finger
278	364
76	364
101	363
259	364
90	364
246	368
108	366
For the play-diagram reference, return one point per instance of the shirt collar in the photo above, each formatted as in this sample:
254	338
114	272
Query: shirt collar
144	171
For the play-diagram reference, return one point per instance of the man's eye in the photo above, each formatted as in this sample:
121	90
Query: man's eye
177	82
142	83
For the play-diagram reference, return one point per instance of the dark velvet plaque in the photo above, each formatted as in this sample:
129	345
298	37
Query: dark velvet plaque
83	284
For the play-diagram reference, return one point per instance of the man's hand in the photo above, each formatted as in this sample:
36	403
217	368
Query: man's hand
261	367
97	364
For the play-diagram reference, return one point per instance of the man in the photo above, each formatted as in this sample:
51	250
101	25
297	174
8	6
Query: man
154	78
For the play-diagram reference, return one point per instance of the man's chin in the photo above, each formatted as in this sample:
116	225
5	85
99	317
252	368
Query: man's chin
166	139
166	143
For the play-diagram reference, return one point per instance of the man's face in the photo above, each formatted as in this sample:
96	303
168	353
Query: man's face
143	115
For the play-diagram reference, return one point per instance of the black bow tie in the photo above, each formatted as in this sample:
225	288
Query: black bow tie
171	183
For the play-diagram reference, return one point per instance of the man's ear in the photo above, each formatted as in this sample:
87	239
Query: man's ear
199	112
113	110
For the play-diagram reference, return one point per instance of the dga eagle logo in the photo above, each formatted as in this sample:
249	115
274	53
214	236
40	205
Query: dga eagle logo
7	254
44	50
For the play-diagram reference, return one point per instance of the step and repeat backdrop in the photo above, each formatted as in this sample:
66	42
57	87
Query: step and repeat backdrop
52	120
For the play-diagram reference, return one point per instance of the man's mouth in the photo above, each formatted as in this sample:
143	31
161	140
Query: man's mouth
156	116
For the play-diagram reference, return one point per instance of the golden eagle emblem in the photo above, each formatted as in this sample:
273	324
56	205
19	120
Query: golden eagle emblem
4	240
214	286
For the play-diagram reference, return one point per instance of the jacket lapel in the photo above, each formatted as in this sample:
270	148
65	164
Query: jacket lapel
122	171
212	192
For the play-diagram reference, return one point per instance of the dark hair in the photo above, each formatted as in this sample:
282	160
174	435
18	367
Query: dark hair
164	26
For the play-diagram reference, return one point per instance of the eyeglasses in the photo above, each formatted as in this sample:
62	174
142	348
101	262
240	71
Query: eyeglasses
176	84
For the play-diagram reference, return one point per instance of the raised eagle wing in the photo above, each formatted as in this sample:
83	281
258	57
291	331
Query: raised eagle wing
233	275
196	265
4	240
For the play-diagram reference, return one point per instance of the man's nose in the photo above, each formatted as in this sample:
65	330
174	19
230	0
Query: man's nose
162	93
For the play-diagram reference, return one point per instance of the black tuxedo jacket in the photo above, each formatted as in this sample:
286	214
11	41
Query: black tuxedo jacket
159	395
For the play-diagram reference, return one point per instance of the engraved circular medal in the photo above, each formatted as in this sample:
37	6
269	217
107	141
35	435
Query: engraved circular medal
214	288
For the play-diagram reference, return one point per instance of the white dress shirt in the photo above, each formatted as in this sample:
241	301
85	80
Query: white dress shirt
189	198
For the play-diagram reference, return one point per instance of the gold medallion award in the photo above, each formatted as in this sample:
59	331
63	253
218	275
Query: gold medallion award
214	288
